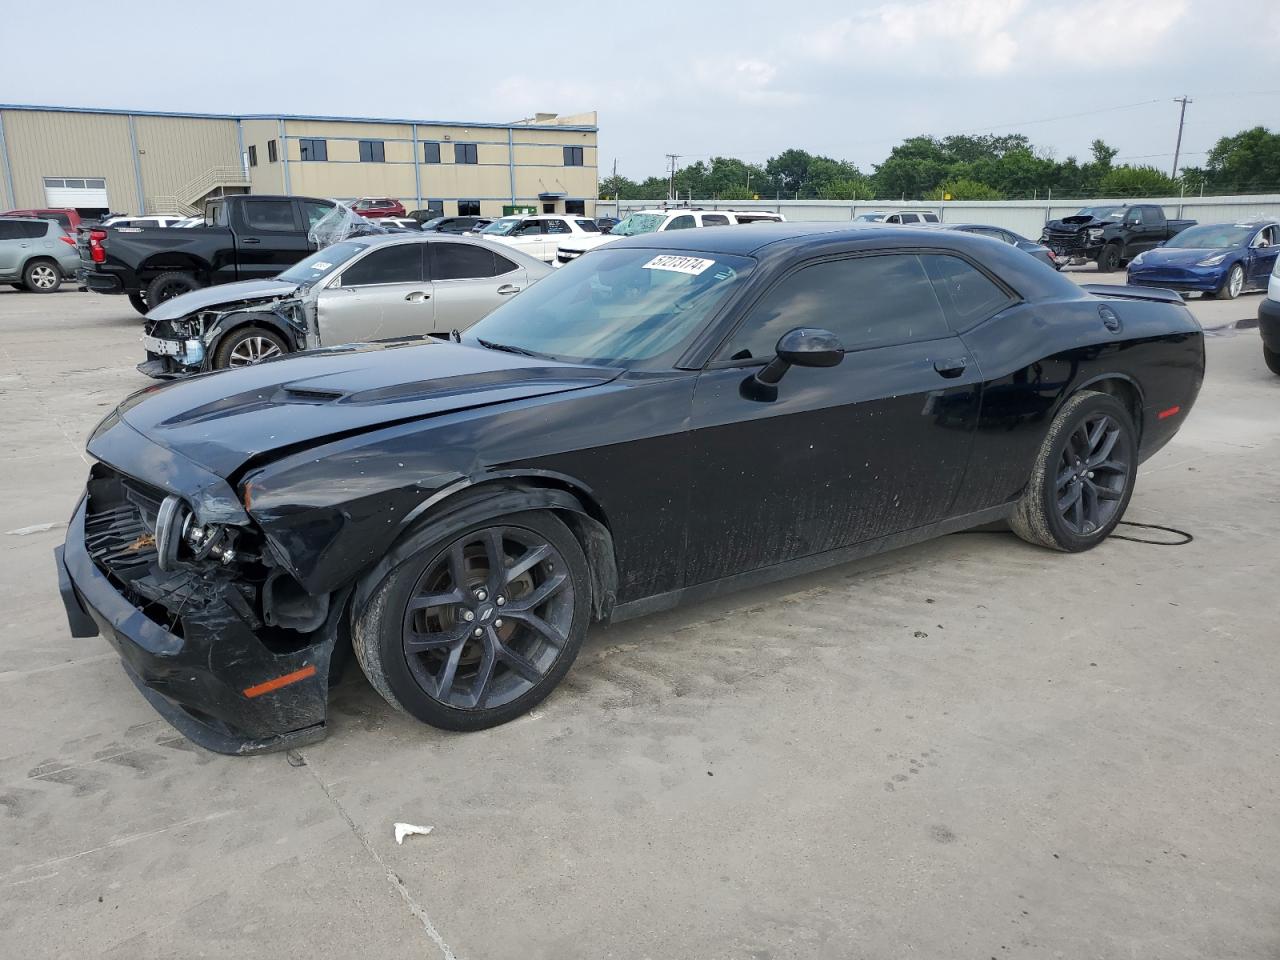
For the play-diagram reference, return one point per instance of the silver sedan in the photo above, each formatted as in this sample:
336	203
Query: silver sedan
356	290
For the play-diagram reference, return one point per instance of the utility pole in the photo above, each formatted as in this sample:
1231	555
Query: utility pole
671	188
1182	116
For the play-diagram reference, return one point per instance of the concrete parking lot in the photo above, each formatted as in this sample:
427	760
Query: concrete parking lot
970	748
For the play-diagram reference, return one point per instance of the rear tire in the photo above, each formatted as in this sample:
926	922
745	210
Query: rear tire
248	345
1273	360
1083	475
42	276
1233	286
170	285
520	581
139	303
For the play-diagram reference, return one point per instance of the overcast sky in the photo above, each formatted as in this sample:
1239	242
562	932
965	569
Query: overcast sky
848	79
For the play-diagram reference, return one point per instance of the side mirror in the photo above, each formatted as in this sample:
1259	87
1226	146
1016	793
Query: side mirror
801	347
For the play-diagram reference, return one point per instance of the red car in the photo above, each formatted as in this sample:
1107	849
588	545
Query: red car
375	207
68	218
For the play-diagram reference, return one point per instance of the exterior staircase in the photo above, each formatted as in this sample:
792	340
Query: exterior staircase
189	201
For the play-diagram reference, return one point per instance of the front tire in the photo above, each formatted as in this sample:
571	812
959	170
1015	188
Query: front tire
42	276
1233	286
476	629
1109	258
169	285
139	303
248	345
1272	359
1083	475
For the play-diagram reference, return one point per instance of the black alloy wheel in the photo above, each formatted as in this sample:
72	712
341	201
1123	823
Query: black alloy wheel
1109	258
488	619
139	303
476	629
1083	476
1092	475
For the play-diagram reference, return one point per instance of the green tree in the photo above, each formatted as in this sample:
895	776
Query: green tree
1136	182
1246	162
970	190
734	193
789	170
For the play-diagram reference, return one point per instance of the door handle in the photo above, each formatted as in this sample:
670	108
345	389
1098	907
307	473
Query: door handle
417	296
507	289
951	368
250	240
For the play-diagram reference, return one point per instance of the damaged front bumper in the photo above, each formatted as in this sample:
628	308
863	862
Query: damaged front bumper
168	358
193	638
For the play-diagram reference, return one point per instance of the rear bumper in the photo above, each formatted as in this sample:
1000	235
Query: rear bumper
103	282
1269	324
196	678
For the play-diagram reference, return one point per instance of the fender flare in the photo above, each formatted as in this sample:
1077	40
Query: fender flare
496	495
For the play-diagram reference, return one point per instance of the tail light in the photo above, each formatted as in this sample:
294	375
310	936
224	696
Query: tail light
96	250
67	240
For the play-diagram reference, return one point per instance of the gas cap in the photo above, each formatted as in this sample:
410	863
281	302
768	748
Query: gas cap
1110	319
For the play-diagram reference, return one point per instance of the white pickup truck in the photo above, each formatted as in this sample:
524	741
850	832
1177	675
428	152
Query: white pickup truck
655	221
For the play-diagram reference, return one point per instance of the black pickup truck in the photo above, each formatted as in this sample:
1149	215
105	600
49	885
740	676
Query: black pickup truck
245	237
1110	236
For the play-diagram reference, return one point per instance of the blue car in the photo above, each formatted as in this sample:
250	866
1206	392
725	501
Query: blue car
1223	259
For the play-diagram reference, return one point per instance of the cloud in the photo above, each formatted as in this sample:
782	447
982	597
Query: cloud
991	38
748	81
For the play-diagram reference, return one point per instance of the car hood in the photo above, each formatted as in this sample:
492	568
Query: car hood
220	421
1180	256
1076	222
222	295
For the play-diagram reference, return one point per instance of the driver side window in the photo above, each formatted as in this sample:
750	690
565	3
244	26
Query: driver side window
401	263
870	301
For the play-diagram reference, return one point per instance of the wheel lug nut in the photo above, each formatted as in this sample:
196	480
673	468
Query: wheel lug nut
497	623
501	601
1089	474
468	616
481	595
479	632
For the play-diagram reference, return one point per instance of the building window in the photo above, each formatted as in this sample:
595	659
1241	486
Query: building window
576	206
468	208
431	152
464	153
271	151
573	156
313	149
371	151
253	155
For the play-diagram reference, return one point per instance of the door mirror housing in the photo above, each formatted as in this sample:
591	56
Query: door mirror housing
800	347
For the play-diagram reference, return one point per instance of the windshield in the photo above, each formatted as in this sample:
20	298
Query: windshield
1101	213
615	306
321	263
1212	236
637	224
500	228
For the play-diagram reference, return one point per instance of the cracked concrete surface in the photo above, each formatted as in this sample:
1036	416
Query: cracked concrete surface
969	748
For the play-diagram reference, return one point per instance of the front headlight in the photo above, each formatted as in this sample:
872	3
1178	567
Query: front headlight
1212	261
1137	261
1095	233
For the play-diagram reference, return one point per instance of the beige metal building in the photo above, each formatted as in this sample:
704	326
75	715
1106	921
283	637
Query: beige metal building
148	162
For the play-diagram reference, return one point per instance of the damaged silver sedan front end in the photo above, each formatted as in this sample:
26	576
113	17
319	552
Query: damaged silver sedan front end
185	335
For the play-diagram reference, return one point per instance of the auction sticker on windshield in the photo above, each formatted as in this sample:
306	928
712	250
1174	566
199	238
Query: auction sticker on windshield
690	265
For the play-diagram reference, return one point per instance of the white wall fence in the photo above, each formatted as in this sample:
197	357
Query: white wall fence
1023	216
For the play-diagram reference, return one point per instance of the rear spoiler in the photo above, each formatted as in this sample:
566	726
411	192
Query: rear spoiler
1117	292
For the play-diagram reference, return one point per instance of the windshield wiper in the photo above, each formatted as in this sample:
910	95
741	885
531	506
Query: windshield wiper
507	348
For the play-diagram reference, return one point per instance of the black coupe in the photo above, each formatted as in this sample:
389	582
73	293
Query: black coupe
668	417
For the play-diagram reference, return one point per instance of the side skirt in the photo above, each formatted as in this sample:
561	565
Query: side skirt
818	561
